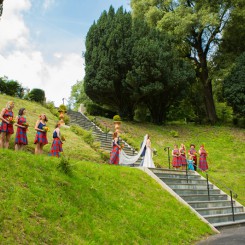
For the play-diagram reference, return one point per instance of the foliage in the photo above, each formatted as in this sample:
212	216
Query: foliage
107	59
117	118
37	95
158	77
11	87
234	87
65	165
78	95
196	27
174	133
224	112
50	105
62	108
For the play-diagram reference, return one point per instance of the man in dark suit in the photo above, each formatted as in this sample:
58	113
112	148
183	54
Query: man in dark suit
142	154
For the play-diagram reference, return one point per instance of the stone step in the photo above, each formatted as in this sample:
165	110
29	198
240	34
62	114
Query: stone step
218	218
189	186
183	181
204	197
195	192
210	204
219	210
177	176
229	224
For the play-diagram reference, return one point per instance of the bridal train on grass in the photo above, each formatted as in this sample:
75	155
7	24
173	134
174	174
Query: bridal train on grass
147	160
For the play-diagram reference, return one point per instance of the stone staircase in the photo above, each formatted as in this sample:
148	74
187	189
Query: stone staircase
105	139
214	205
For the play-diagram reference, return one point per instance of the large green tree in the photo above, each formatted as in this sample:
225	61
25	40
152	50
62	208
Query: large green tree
107	61
234	87
158	77
196	27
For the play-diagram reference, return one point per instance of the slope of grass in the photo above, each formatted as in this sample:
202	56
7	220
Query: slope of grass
97	204
74	146
225	146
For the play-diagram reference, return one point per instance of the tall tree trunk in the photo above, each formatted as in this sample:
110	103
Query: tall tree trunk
207	88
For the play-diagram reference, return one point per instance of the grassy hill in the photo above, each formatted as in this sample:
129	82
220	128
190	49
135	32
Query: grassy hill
74	147
97	204
225	146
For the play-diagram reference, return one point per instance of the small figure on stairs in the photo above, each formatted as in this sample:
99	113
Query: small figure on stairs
203	165
114	156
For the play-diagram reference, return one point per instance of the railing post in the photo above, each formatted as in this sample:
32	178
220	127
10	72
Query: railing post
167	149
133	155
186	172
208	187
232	207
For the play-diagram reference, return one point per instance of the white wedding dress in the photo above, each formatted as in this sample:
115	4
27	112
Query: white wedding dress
124	159
148	161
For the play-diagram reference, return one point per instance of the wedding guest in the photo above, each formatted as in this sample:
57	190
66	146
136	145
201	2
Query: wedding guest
190	163
56	147
203	165
114	157
41	135
142	154
7	129
193	154
21	136
182	157
176	157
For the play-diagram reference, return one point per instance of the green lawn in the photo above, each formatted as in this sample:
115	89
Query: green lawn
97	204
225	146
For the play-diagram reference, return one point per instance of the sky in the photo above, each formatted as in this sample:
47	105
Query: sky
42	41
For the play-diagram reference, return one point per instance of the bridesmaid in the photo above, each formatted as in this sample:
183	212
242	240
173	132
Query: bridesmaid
6	128
21	137
41	135
203	165
183	160
56	147
176	157
114	158
193	154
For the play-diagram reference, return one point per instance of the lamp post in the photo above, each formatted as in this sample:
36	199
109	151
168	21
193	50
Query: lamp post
167	149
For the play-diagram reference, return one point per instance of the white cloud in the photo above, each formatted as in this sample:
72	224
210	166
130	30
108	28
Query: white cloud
22	61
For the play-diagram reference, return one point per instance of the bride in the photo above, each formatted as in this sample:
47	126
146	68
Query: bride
147	162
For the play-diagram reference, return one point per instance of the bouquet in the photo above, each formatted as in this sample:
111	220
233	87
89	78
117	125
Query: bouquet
122	146
45	128
63	138
11	120
25	125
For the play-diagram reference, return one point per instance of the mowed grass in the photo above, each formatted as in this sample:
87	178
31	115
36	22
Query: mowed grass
225	146
74	146
97	204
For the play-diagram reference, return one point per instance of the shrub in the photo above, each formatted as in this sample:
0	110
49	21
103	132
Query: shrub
117	118
65	165
174	133
62	108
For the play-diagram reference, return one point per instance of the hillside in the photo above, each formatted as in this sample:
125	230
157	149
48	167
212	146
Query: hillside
225	146
74	147
97	204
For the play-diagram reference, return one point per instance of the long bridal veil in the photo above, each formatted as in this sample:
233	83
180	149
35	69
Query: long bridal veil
125	159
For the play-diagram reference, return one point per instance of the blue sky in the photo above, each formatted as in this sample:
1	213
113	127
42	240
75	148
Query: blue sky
44	40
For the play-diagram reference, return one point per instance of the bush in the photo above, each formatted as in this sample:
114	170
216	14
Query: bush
224	112
117	118
62	108
66	119
174	133
65	165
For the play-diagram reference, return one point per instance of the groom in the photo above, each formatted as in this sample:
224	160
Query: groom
142	154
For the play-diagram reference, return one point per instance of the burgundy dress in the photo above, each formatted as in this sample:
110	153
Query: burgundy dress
7	127
203	165
176	159
21	137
